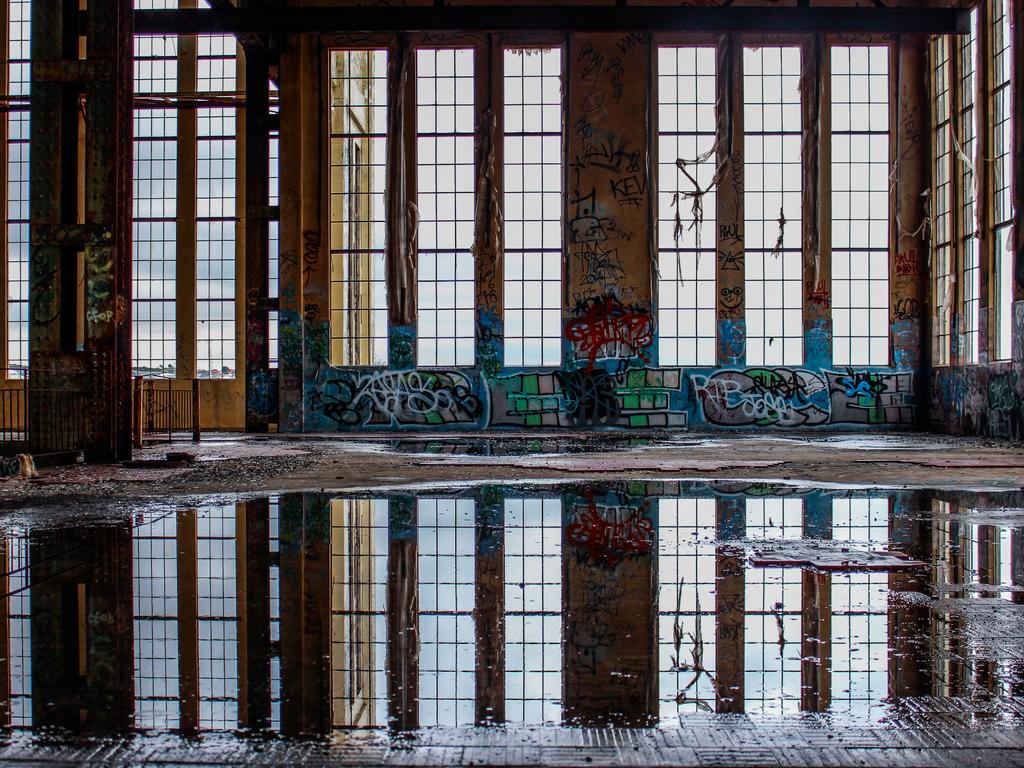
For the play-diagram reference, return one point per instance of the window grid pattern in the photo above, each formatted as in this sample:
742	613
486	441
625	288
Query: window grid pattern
274	248
359	574
966	62
154	232
942	203
218	618
445	184
860	205
773	609
20	637
359	323
155	598
447	577
686	604
215	212
533	611
274	520
1002	173
686	255
215	246
860	613
17	214
772	205
533	207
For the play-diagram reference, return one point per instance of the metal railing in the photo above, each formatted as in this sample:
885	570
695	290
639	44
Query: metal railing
38	419
166	406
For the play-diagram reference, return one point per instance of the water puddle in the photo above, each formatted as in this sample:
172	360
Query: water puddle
613	604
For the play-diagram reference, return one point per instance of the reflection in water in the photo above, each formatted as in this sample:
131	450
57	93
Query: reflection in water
622	604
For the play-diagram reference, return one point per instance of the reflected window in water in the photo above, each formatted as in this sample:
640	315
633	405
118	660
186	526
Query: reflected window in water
359	572
447	578
686	605
20	632
218	618
155	588
533	610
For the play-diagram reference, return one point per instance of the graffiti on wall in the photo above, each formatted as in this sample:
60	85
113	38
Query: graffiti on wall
396	398
641	397
871	397
1004	407
785	397
603	328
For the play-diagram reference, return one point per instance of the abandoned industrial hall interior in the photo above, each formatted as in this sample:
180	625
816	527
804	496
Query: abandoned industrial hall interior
479	382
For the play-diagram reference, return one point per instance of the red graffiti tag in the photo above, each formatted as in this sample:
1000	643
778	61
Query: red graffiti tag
606	543
605	327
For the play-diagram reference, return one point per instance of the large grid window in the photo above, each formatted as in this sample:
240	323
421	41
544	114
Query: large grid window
772	205
686	205
215	213
359	573
444	184
860	205
942	249
1002	174
533	610
359	323
154	228
218	618
274	243
447	578
773	609
533	207
967	50
686	606
155	599
16	215
20	632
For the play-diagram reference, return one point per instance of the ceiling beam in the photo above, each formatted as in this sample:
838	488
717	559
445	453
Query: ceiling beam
517	18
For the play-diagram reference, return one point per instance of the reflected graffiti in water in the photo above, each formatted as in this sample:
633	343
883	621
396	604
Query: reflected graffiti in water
630	604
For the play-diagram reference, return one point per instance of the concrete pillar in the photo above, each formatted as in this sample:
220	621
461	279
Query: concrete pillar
185	225
608	97
909	111
732	327
817	204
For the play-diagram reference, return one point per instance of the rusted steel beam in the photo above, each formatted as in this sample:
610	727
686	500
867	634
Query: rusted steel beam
587	18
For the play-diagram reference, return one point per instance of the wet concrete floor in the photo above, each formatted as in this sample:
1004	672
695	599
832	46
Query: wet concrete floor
614	622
